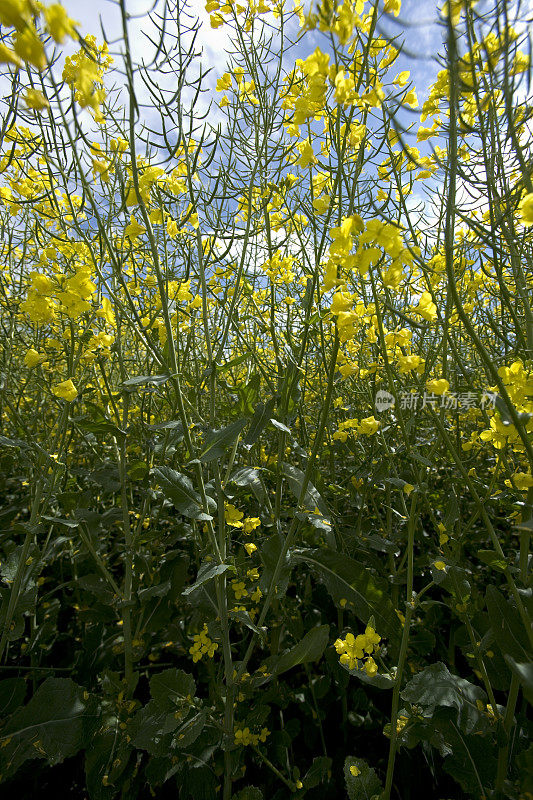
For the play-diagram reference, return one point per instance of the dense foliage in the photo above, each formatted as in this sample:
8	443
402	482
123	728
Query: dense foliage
266	403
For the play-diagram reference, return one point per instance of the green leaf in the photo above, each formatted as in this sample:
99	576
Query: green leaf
259	421
217	441
419	457
190	730
197	781
101	427
16	443
234	362
524	672
505	413
138	470
206	573
179	490
367	595
66	523
171	425
143	380
249	793
55	724
310	648
270	553
454	580
492	559
365	784
105	760
171	687
97	586
379	681
318	772
436	687
507	627
12	694
312	498
249	476
470	760
151	729
248	395
176	486
280	426
245	619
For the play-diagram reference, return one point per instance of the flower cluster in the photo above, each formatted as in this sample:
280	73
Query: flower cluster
84	73
366	427
244	736
359	648
203	645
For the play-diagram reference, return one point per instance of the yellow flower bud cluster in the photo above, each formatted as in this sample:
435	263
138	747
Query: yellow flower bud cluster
359	648
244	736
202	646
84	73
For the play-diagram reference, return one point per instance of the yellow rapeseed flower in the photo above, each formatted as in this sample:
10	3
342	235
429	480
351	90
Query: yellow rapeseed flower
65	390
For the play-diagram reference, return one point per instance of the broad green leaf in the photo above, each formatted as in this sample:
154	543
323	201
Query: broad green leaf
249	793
365	593
97	586
206	573
505	413
66	523
524	673
190	730
55	724
492	559
103	771
312	498
259	421
319	771
454	580
16	443
471	758
310	648
101	427
436	687
249	476
179	490
171	687
270	553
176	486
217	441
377	542
378	681
507	627
171	425
365	783
12	694
248	395
245	619
27	596
138	470
196	780
151	729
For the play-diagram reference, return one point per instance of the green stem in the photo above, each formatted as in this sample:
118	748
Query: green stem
503	753
289	784
409	609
